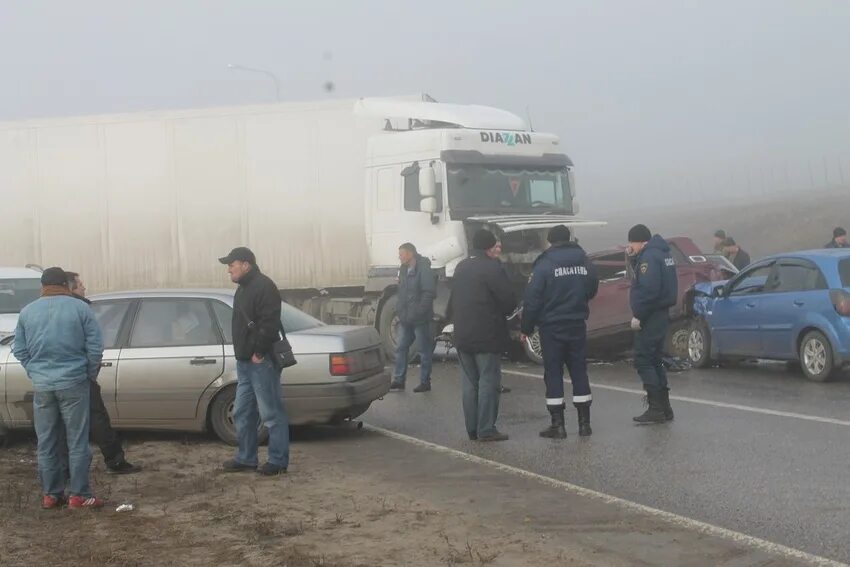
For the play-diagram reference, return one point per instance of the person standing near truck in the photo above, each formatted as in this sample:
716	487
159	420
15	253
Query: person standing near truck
482	298
417	289
654	291
556	301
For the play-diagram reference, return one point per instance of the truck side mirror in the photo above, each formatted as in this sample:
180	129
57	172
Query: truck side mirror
427	182
428	205
428	190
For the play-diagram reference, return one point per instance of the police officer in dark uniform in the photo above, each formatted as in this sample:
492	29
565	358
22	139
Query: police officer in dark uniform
654	291
556	302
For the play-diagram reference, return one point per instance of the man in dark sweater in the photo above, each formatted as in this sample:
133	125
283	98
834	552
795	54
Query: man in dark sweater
481	300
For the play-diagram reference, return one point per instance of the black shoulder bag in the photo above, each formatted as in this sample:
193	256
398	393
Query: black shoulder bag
282	355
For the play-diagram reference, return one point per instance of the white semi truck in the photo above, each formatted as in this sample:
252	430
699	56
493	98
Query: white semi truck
323	192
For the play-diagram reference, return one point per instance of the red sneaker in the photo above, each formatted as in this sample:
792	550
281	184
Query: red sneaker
80	502
50	502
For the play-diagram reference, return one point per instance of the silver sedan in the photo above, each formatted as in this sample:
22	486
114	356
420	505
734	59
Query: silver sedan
169	364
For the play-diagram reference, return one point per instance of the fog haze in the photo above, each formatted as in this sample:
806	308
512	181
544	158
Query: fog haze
656	102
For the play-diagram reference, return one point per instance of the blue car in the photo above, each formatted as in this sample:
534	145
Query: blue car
793	307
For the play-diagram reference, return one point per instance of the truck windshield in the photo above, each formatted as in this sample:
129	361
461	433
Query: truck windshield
15	294
508	189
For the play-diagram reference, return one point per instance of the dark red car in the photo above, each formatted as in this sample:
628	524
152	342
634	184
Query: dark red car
609	326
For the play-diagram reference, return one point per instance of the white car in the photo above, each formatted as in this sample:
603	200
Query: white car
18	287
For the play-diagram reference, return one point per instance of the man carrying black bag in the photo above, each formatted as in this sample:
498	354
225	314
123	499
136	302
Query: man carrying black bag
256	340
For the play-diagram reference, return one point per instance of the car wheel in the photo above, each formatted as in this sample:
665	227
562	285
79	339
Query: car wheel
676	343
533	348
699	344
221	418
816	357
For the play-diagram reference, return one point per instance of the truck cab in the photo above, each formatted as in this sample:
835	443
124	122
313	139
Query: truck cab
458	169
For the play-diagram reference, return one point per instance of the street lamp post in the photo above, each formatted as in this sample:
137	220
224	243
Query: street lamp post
269	74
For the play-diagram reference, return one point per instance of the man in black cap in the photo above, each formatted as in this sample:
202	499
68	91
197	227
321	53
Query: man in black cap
482	298
256	328
839	239
736	254
654	291
556	301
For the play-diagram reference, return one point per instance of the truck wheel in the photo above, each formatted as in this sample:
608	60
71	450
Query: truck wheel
676	343
699	344
816	357
533	348
390	330
221	418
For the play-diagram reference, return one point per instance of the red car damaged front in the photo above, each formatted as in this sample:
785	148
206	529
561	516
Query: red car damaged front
608	327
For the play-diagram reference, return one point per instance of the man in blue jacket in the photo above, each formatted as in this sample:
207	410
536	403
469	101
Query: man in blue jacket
58	342
654	291
556	302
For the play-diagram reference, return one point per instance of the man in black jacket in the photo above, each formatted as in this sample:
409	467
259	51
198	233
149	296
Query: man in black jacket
417	288
481	300
839	239
654	291
101	432
256	328
736	254
556	301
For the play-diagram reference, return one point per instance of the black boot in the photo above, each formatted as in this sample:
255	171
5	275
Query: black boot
668	409
557	429
583	409
655	409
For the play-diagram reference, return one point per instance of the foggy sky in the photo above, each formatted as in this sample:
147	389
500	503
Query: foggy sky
655	101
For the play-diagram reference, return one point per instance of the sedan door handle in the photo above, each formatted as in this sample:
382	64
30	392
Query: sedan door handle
799	303
751	305
106	365
201	361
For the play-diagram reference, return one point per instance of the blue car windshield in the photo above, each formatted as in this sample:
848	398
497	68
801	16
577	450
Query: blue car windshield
751	284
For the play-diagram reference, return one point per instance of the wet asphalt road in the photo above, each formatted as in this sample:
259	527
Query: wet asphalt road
783	478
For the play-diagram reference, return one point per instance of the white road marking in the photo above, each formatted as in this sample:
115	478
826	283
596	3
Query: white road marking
676	519
764	411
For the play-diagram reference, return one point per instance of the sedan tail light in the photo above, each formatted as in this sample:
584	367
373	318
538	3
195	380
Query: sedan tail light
344	364
841	301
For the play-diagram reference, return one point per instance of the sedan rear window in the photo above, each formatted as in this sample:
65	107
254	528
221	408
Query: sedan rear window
844	270
293	319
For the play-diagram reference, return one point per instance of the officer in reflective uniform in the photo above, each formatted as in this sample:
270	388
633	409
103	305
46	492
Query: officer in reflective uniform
556	302
654	291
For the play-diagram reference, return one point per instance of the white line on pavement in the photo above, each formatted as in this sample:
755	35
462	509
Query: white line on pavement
683	521
764	411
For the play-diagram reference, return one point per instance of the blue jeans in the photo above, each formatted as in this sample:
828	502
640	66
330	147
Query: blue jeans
58	414
421	334
482	380
259	396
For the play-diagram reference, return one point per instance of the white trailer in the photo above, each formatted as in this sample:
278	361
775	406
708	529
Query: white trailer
323	192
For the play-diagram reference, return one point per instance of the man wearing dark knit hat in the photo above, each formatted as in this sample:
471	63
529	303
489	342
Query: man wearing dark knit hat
482	298
556	302
839	239
654	291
